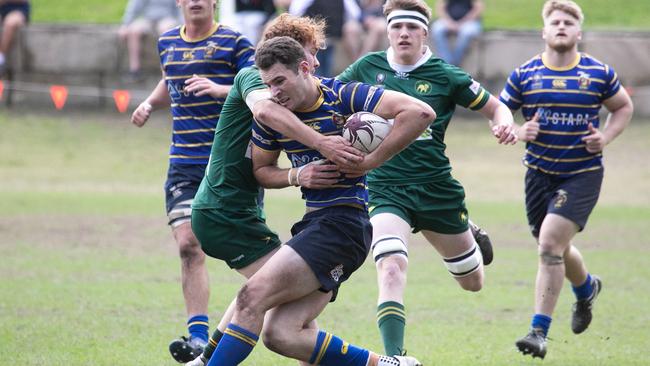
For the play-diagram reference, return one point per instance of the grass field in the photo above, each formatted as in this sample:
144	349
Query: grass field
499	14
89	272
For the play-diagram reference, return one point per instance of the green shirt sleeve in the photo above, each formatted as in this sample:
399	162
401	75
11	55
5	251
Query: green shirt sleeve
466	91
246	81
350	73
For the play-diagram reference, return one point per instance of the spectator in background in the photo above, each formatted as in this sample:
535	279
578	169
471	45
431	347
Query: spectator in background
461	18
246	16
369	34
140	17
341	16
14	15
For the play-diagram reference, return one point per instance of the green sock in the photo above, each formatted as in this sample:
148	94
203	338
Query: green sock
212	344
391	320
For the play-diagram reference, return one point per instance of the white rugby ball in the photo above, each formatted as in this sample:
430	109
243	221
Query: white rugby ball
366	130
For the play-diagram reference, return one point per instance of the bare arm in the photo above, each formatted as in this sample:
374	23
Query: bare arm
201	86
158	98
316	175
620	113
501	121
334	148
412	117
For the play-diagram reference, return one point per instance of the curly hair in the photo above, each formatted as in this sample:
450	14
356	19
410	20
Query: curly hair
305	30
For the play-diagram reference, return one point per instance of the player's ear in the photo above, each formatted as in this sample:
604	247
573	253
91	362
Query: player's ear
304	67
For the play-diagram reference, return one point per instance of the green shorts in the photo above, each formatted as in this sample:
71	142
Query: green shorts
437	206
238	237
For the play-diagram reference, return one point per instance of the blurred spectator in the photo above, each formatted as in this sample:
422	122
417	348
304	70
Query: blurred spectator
143	16
369	34
246	16
461	18
342	17
14	15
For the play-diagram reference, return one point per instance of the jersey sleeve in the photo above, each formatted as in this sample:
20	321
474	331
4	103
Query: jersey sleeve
466	91
511	93
350	73
612	85
244	53
248	80
264	137
357	97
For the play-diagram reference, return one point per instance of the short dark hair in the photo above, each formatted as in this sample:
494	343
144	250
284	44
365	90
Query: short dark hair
284	50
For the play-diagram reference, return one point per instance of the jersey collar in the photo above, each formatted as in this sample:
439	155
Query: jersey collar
390	56
202	37
564	68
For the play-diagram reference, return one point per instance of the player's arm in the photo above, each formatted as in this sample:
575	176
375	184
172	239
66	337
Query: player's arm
316	175
412	117
620	109
159	98
279	118
200	86
501	121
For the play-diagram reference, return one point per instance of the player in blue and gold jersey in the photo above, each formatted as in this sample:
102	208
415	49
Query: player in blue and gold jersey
199	61
333	238
560	93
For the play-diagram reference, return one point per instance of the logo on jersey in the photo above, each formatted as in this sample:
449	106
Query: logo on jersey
561	198
475	87
537	81
174	93
401	75
210	49
584	81
169	57
188	55
463	216
337	272
344	348
422	87
380	78
559	84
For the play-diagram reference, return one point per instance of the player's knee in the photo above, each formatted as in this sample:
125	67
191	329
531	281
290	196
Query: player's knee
550	258
392	270
472	282
189	248
275	338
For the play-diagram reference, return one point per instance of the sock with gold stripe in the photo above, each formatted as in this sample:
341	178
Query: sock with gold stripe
198	327
212	344
332	350
233	348
391	319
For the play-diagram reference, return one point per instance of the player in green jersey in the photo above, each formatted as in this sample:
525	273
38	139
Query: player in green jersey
415	191
225	214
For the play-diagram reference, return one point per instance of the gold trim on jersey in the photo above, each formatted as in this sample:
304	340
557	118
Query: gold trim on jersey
570	66
568	160
177	77
202	37
319	100
568	91
189	157
200	118
477	100
196	104
586	106
193	145
597	167
563	133
512	85
560	147
184	132
526	81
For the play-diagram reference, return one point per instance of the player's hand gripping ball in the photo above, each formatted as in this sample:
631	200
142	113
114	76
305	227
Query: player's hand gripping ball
366	130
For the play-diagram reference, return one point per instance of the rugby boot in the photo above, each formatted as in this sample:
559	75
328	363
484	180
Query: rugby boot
484	243
186	349
534	344
407	361
581	312
199	361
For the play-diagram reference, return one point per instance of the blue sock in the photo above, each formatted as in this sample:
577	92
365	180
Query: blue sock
584	291
197	326
541	321
332	350
233	348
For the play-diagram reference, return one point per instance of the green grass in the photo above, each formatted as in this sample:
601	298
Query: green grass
499	14
89	272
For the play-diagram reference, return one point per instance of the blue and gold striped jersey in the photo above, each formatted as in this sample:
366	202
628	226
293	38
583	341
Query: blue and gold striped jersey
218	57
336	103
567	100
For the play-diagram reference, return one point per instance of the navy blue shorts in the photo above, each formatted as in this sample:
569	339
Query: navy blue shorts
571	197
334	241
182	183
8	8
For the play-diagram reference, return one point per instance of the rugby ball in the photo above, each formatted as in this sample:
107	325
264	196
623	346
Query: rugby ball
366	130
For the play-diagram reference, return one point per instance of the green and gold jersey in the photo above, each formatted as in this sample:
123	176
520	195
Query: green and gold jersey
440	85
229	178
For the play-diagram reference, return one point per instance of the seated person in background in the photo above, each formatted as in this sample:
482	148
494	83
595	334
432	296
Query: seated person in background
14	15
140	17
246	16
368	34
456	17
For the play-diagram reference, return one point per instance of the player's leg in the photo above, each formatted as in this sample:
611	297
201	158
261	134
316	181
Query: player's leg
390	235
461	256
11	23
467	32
135	32
439	34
